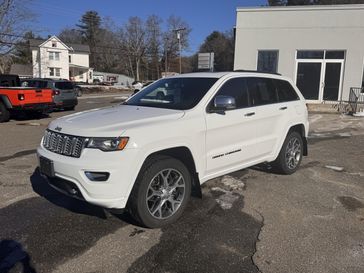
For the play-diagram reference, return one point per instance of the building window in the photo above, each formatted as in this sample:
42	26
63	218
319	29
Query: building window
81	75
54	56
69	59
321	54
54	72
268	61
54	44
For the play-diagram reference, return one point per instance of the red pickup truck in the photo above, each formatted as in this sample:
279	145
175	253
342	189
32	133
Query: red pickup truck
15	98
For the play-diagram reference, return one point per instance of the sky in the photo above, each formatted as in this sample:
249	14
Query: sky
203	16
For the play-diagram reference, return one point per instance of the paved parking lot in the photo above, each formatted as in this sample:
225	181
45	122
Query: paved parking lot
248	221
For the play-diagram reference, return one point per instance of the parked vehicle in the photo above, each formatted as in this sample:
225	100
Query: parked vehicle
15	99
64	92
150	153
137	86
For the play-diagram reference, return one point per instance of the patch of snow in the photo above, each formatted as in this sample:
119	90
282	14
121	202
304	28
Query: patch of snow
335	168
227	199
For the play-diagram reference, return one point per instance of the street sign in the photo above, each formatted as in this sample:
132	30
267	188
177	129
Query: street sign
206	61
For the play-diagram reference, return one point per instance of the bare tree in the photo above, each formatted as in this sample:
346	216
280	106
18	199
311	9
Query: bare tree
71	35
154	43
14	22
133	36
171	43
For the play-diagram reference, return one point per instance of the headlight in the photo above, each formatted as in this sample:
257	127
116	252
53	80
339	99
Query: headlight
107	144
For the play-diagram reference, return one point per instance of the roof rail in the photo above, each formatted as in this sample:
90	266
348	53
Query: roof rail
256	71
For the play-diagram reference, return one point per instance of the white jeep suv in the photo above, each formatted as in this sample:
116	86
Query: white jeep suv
148	154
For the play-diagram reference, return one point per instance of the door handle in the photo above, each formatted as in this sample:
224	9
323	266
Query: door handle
283	108
249	114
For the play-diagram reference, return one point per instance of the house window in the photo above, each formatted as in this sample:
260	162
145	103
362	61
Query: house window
54	44
268	61
54	72
69	59
54	56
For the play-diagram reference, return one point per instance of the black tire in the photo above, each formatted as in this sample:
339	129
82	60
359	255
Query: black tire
287	162
70	108
139	207
4	113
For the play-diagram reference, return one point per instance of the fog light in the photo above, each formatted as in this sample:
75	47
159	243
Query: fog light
97	176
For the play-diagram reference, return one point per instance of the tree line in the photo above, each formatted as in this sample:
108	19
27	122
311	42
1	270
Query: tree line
142	49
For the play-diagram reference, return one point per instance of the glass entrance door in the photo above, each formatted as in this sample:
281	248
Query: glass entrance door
309	79
332	81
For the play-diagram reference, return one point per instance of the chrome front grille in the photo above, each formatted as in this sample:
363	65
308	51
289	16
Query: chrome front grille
63	144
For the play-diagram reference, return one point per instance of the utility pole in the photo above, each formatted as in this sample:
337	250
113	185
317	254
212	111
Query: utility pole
179	37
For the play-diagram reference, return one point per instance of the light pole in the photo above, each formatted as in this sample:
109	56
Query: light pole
179	37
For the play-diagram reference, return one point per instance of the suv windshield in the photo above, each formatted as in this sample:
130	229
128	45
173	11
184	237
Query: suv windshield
63	85
173	93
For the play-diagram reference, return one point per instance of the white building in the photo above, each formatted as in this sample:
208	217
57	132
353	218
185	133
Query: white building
54	59
320	47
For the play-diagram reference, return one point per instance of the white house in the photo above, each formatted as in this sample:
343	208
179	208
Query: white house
319	47
54	59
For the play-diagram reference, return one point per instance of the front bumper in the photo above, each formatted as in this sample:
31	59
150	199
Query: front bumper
70	177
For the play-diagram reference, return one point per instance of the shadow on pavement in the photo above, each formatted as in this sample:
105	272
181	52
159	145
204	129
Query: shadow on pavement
206	239
41	187
11	254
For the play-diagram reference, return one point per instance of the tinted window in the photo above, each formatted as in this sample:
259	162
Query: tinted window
173	93
268	61
37	84
237	89
63	85
285	91
310	54
261	91
335	54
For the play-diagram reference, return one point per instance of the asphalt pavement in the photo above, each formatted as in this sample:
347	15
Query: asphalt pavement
247	221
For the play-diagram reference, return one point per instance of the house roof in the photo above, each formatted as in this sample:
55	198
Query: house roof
21	69
76	47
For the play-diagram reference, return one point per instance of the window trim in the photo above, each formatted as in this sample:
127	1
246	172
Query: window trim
268	50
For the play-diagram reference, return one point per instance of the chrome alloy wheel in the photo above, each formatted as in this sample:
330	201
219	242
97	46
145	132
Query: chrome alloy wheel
293	153
165	193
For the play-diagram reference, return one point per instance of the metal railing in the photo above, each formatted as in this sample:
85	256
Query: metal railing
356	99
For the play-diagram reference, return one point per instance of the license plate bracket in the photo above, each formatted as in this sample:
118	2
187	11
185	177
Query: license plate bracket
46	166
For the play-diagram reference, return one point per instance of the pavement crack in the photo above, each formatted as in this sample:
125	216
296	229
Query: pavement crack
262	223
18	154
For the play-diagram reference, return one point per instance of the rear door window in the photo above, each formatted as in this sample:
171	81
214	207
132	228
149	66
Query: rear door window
262	91
285	91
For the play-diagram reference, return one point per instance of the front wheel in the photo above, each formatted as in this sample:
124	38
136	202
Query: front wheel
161	192
290	156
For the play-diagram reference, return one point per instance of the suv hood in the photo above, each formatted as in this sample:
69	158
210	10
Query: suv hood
113	121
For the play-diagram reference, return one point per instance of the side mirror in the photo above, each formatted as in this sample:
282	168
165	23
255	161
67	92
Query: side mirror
222	103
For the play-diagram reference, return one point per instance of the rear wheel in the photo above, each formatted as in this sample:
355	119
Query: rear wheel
161	192
290	156
4	113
